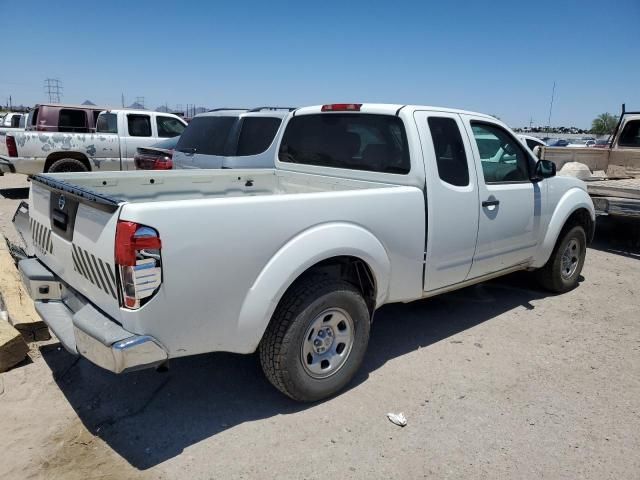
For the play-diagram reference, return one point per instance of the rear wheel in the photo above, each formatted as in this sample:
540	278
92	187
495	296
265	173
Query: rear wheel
67	165
561	272
316	340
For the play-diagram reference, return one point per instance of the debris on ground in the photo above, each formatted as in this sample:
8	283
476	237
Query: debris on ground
398	419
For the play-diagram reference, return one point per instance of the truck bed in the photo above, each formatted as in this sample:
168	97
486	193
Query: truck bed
145	186
623	188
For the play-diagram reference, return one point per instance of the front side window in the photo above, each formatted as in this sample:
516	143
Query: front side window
169	127
257	134
630	136
107	123
139	125
357	141
501	156
207	135
450	155
72	121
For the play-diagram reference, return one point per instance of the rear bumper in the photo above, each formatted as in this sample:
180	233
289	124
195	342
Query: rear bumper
614	206
83	329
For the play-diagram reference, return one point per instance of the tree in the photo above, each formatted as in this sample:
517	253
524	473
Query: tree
604	124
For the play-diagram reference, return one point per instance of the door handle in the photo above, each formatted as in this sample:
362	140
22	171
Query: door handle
491	203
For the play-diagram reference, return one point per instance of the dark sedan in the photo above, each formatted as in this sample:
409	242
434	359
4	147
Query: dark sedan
158	156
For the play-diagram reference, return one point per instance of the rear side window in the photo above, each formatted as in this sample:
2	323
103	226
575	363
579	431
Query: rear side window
630	136
34	117
107	123
15	121
139	125
357	141
450	155
256	134
206	135
169	127
72	121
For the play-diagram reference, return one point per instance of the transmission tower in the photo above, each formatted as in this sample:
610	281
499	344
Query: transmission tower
53	88
140	100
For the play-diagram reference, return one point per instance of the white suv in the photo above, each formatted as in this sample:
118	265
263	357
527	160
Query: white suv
231	138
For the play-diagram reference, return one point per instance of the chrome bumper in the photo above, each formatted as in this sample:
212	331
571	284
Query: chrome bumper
84	330
621	207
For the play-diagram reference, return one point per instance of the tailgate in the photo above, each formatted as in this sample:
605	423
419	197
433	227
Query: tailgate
73	232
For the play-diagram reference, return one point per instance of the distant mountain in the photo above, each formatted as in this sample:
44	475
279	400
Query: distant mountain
164	109
88	102
136	106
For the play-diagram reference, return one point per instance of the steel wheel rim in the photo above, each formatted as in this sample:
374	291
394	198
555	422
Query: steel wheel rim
327	343
570	259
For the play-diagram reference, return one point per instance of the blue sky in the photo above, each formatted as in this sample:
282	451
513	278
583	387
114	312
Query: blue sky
498	57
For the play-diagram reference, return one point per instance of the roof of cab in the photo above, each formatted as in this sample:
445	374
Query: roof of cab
279	112
391	109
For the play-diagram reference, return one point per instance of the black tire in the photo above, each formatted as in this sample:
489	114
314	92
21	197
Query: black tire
281	348
551	275
67	165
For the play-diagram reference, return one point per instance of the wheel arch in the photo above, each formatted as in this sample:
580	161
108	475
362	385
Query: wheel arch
55	156
574	208
345	251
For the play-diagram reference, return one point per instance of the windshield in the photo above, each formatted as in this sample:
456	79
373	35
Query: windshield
206	135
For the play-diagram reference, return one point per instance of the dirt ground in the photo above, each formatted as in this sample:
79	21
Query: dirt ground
496	381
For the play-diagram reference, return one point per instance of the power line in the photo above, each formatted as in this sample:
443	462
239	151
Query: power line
53	88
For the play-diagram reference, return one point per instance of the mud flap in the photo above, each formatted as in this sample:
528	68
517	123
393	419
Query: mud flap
21	224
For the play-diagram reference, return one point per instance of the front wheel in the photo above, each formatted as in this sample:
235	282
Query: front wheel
316	339
562	271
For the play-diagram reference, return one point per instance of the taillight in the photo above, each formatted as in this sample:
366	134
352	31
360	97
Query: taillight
137	254
163	163
12	149
342	107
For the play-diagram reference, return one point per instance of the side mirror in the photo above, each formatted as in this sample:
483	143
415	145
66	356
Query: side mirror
544	169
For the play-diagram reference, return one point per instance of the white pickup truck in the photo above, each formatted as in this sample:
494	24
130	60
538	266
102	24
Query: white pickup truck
368	204
111	147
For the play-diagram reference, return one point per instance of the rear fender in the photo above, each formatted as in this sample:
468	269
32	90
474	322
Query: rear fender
305	250
573	200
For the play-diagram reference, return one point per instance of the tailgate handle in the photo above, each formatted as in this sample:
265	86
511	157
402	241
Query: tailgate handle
60	219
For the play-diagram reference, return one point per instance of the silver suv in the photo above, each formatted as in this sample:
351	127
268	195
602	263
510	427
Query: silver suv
231	138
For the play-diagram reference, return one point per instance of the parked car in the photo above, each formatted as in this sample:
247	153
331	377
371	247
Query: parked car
601	144
231	138
135	268
531	142
557	142
11	120
156	157
111	147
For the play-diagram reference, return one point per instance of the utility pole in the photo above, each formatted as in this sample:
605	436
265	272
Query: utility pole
53	88
122	99
553	92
